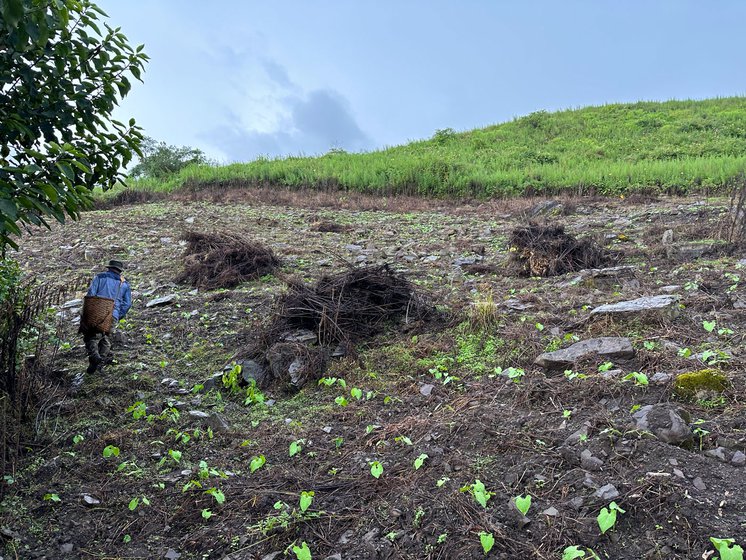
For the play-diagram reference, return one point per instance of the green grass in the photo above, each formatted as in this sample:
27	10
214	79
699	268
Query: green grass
674	146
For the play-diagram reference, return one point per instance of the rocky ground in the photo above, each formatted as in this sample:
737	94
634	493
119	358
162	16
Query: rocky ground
521	386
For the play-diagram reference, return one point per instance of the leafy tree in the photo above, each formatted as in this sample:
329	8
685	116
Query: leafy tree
63	71
159	160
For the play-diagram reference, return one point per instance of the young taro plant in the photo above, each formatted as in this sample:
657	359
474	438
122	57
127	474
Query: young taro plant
727	549
607	517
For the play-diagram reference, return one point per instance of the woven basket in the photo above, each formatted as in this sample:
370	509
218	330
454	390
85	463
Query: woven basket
97	314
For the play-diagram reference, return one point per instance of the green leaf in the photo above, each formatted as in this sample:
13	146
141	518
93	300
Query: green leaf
12	11
419	461
480	493
523	503
487	540
727	549
572	552
376	469
295	447
206	514
356	393
257	463
302	552
709	326
134	502
607	517
111	451
305	500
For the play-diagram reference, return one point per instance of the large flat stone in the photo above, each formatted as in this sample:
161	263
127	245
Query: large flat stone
609	347
664	304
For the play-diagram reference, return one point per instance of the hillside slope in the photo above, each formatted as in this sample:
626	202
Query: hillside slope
674	146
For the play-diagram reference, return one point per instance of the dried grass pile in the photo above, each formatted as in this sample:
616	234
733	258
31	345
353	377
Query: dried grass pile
224	260
546	250
349	306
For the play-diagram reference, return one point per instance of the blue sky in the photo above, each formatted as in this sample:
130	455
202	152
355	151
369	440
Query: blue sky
240	78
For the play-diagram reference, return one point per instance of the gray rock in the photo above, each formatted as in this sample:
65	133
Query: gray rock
717	453
666	305
667	237
664	421
214	382
90	500
589	462
165	300
301	336
253	370
218	423
66	548
607	492
171	554
516	305
426	390
610	348
551	512
661	378
72	304
466	261
699	484
547	208
739	459
335	556
672	289
576	503
352	248
198	414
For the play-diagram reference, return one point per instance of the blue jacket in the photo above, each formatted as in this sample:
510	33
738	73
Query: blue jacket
106	284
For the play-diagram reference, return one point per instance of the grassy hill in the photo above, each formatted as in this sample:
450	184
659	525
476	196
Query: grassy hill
673	146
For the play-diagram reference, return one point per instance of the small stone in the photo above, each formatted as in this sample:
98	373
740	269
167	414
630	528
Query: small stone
327	429
551	512
664	304
739	459
171	554
335	556
679	473
664	421
218	423
157	302
699	484
576	503
717	453
301	336
426	389
90	500
346	537
611	348
66	548
352	248
607	492
661	378
198	414
589	462
667	237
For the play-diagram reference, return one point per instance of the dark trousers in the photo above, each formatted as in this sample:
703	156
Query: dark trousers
98	345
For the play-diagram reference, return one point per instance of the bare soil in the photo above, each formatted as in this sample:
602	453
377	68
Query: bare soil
439	389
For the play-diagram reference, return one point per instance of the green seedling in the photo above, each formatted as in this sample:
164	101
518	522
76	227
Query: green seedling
257	463
111	451
419	461
134	502
709	326
175	454
480	493
523	503
296	447
566	413
700	432
338	442
539	327
606	366
306	498
217	494
341	401
78	438
52	498
607	517
685	352
487	541
640	379
649	345
442	481
727	548
356	393
574	551
370	428
376	469
302	552
137	410
206	514
403	439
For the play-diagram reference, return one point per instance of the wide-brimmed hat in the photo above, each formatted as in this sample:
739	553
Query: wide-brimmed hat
116	265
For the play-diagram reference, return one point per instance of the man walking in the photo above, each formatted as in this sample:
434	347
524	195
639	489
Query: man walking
110	285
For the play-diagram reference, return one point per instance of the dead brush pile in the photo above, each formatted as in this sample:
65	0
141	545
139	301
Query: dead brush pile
349	306
546	250
224	260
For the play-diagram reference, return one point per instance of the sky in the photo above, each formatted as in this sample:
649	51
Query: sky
242	79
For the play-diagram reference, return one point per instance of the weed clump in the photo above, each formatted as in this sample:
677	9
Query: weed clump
546	250
689	385
224	260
